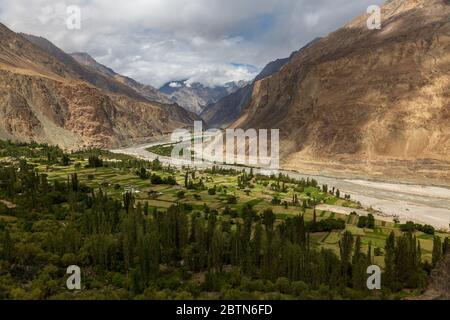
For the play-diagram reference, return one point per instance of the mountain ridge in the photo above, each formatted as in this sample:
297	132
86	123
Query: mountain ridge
367	101
144	90
226	110
46	96
195	97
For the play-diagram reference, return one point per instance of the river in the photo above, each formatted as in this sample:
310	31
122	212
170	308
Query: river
409	202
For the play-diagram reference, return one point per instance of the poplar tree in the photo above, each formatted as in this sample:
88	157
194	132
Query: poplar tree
215	252
346	246
446	246
8	246
437	250
358	262
389	261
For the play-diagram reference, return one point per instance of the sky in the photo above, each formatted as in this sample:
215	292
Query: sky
207	41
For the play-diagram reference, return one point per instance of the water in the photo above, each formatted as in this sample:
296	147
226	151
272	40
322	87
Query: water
418	203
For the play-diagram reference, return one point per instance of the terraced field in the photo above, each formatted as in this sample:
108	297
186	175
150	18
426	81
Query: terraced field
117	180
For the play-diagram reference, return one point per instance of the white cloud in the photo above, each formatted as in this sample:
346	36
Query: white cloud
156	41
175	85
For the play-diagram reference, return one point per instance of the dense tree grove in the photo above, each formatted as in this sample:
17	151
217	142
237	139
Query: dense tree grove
127	249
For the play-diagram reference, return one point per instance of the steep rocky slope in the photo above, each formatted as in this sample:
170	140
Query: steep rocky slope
145	91
45	95
100	80
366	101
225	111
228	109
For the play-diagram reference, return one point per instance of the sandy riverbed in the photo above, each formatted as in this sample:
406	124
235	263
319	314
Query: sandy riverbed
418	203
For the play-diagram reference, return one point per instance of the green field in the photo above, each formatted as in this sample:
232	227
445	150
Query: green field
142	230
116	180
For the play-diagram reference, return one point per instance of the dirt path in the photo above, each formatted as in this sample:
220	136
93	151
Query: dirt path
8	204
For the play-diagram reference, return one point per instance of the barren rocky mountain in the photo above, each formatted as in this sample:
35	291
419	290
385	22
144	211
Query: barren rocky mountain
46	96
195	97
375	102
146	91
229	108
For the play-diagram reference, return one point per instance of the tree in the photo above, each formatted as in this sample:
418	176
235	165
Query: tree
370	221
212	191
268	220
446	246
346	246
95	162
437	250
65	160
389	260
142	173
215	251
148	253
257	245
359	266
8	246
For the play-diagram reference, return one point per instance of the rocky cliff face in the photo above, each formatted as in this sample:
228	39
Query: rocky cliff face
47	96
225	111
228	109
371	101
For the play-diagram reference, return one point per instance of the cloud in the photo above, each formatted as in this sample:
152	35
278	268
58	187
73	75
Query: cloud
157	41
175	85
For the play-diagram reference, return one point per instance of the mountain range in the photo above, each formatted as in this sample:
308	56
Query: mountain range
355	102
195	97
229	108
46	95
364	102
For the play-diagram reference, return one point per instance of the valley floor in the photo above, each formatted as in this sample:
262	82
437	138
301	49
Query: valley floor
421	203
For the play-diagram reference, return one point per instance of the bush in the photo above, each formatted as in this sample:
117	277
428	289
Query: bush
411	227
299	288
283	285
142	173
362	222
69	259
232	200
276	201
366	222
155	179
180	194
94	162
170	181
325	225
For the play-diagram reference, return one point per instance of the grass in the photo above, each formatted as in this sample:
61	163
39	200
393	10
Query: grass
115	180
165	150
162	150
